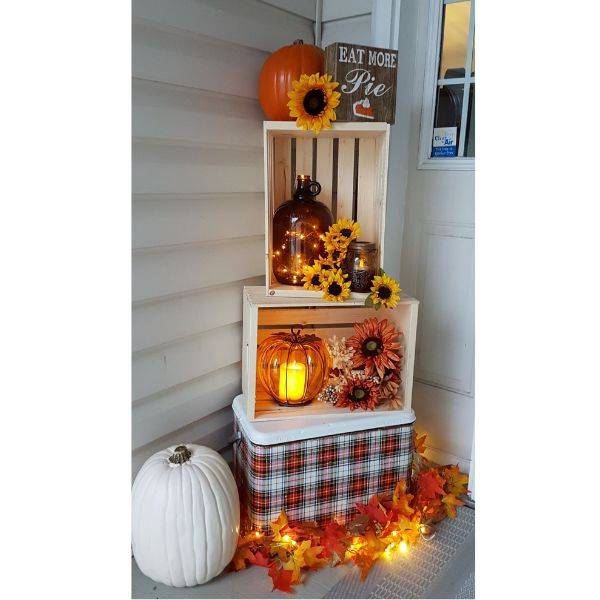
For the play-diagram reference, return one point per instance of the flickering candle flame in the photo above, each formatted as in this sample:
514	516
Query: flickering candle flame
292	378
362	263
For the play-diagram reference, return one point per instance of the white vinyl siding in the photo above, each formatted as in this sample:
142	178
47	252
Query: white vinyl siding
198	225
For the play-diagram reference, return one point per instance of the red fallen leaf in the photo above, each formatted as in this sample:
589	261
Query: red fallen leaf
373	509
282	579
332	539
260	559
430	484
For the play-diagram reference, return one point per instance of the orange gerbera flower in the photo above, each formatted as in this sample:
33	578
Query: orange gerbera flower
375	344
358	392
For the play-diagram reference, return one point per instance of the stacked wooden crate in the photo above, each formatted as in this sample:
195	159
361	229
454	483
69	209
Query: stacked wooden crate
317	460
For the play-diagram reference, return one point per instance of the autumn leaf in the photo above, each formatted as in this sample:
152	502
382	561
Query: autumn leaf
373	509
278	525
364	561
450	503
259	559
252	536
430	484
311	558
242	554
419	443
456	482
358	525
333	539
401	500
282	579
296	560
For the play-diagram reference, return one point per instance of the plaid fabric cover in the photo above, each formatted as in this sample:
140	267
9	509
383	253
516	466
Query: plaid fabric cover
319	479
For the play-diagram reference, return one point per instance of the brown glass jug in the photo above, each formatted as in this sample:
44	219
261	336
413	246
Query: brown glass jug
298	225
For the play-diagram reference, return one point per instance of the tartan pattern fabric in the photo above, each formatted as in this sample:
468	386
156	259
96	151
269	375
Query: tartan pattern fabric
319	479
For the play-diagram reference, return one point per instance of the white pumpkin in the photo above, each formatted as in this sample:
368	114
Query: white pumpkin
186	515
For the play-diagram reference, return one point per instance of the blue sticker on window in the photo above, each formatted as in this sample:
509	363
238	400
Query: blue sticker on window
444	142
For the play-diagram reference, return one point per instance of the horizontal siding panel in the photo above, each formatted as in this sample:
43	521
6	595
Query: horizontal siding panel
174	112
172	271
214	431
155	323
157	416
164	368
191	60
342	9
163	169
354	30
249	23
167	220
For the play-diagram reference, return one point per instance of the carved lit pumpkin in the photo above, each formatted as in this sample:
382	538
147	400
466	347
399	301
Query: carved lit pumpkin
293	367
279	70
186	515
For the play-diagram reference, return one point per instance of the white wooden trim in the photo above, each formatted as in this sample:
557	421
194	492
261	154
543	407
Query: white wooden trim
385	23
467	86
430	82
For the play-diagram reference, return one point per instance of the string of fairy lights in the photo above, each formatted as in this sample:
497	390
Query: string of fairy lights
296	256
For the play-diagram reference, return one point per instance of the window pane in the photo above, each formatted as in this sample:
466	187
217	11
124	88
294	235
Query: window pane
446	124
473	59
455	30
470	135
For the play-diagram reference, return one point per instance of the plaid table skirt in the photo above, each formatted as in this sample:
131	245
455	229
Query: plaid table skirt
318	479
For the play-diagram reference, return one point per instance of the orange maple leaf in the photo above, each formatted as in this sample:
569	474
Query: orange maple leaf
278	525
430	484
364	561
242	554
311	557
260	560
373	509
282	579
334	538
456	482
401	500
296	560
450	503
419	443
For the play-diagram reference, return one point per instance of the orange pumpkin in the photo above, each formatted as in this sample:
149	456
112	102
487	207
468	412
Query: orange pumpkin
280	69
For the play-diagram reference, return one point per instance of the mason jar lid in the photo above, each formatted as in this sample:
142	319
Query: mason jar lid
362	246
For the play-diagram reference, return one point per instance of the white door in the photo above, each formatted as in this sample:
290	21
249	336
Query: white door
436	246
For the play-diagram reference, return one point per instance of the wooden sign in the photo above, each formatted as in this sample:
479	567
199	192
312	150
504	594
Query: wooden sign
367	78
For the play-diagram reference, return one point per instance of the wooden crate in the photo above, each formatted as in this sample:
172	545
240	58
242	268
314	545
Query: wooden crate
264	315
350	161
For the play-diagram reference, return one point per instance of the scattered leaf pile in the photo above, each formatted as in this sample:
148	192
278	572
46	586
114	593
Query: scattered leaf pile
384	527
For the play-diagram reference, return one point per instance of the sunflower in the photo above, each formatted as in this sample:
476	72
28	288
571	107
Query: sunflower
385	291
325	264
358	392
313	102
335	289
335	247
312	277
345	230
375	346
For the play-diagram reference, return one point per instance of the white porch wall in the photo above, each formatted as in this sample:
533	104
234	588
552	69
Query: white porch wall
197	206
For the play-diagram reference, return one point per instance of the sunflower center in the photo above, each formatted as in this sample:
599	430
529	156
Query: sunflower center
335	289
335	255
314	102
325	267
315	280
346	232
359	393
372	346
384	292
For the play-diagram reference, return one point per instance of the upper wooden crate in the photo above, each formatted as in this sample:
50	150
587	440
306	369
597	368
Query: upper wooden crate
350	161
265	315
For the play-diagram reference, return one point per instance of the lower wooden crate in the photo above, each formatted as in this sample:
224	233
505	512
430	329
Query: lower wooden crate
265	315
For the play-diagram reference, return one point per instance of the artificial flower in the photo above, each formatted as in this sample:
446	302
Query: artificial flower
385	291
312	277
389	386
325	264
345	230
340	353
375	346
358	392
313	102
335	289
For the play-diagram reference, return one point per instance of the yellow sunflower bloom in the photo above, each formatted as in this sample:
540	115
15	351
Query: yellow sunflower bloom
313	277
335	246
335	289
312	102
345	230
325	265
385	291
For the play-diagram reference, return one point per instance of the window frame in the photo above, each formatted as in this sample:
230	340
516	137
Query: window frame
430	88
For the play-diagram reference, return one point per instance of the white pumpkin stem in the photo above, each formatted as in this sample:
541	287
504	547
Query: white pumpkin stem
180	455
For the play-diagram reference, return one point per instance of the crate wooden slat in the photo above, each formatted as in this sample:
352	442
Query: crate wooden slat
265	314
350	161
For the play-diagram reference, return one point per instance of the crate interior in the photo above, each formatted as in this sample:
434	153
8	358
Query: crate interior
326	322
351	167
